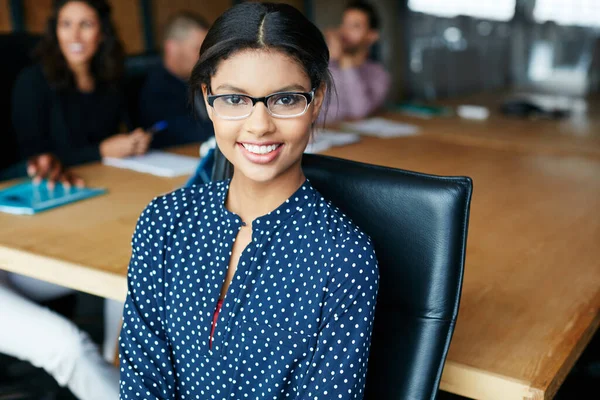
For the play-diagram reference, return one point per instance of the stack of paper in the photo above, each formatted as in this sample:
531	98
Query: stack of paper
382	128
325	139
156	163
468	111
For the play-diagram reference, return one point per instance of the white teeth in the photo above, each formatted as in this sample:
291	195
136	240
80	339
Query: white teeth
252	148
76	47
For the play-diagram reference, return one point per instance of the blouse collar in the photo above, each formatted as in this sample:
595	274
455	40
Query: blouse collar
303	197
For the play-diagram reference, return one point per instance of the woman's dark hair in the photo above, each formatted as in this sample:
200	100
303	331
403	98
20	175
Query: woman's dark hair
107	64
264	26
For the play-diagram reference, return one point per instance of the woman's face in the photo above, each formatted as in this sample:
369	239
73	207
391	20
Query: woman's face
261	147
79	32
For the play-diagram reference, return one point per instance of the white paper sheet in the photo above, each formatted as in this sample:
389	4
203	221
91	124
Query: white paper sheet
325	139
156	163
382	128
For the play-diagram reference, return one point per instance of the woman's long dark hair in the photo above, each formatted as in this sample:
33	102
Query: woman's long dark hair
107	64
264	26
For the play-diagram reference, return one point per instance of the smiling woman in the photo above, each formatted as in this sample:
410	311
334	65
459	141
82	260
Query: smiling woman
255	286
70	104
244	130
80	34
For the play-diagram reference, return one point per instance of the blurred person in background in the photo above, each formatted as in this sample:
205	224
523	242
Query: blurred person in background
38	335
361	84
70	105
165	94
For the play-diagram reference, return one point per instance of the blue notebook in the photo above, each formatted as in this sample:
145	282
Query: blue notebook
27	198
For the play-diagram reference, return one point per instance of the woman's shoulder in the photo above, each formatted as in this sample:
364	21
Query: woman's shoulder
351	250
31	81
31	86
340	227
182	200
33	74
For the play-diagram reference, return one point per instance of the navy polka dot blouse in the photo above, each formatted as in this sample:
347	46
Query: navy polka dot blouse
297	318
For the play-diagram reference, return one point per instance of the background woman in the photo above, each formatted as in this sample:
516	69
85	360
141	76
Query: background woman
70	104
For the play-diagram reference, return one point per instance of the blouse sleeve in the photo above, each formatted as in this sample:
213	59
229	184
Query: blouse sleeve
339	364
145	356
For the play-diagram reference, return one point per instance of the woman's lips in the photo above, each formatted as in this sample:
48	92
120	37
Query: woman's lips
75	48
262	153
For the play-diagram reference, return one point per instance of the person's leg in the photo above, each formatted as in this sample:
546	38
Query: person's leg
3	277
35	289
35	334
113	316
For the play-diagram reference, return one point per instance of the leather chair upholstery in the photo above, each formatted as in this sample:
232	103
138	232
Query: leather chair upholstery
418	224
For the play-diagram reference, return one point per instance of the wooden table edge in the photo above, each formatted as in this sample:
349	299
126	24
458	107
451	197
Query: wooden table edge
571	359
99	283
479	384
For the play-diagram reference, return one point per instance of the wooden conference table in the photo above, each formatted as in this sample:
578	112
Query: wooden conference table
579	134
531	294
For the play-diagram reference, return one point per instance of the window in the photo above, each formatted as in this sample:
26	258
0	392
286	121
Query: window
541	61
568	12
499	10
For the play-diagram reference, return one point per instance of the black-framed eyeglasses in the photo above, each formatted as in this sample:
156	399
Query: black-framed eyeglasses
279	105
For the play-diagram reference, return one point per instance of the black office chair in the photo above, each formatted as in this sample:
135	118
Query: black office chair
16	49
418	224
136	70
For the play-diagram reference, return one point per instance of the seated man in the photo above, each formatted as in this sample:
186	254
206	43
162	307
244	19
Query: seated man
361	85
165	97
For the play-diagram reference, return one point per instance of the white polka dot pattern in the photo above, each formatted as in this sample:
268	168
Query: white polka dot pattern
297	318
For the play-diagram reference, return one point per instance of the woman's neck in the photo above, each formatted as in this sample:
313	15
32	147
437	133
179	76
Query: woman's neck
250	199
83	77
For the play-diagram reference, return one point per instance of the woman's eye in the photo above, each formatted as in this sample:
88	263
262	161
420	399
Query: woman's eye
286	101
234	100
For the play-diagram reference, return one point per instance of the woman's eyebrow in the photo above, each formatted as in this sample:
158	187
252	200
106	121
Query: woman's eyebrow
230	88
291	88
235	89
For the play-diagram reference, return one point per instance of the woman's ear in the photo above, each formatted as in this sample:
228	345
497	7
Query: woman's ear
205	98
318	101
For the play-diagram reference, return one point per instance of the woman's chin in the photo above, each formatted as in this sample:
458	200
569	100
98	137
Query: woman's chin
78	60
259	174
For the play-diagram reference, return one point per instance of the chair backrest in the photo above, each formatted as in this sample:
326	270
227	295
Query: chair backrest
136	70
16	51
418	224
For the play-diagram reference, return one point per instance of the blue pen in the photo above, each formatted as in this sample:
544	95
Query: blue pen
158	127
